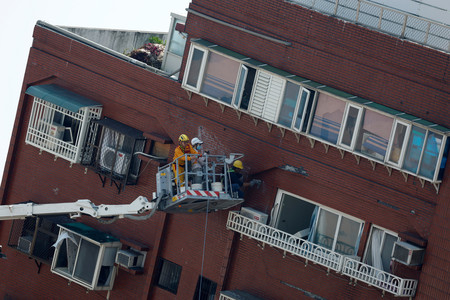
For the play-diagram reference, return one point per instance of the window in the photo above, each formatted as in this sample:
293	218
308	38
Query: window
397	143
177	41
430	154
85	256
374	135
336	232
220	77
35	236
59	121
414	149
379	248
205	290
327	118
195	68
168	275
111	151
293	104
244	87
320	225
323	113
349	132
267	95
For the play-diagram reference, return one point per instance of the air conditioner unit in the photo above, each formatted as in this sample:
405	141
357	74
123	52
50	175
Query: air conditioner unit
129	258
115	161
24	244
254	214
55	131
407	254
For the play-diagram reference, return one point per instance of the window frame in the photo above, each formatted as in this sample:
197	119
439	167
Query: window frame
212	285
174	269
199	80
382	244
276	212
391	142
376	146
357	126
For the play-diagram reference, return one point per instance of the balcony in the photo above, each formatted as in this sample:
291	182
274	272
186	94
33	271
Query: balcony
343	264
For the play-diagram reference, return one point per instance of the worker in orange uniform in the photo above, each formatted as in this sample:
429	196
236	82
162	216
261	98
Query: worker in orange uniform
184	147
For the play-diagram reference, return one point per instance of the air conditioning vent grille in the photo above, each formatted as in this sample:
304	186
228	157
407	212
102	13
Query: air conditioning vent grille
129	258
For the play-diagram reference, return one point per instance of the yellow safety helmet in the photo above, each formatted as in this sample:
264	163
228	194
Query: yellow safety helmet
183	138
238	164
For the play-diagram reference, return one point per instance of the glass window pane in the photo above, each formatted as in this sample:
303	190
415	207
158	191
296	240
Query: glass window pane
348	237
326	229
86	261
350	126
240	87
177	42
414	149
430	155
327	118
397	142
220	77
288	104
301	107
194	67
386	251
374	135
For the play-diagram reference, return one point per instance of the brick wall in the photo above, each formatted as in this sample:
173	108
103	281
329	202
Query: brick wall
323	50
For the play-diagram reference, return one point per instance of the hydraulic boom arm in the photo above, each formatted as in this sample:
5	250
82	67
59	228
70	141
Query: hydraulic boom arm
75	209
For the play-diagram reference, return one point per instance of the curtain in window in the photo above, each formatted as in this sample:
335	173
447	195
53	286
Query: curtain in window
375	250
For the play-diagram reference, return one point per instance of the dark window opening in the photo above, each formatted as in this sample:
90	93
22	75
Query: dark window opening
168	275
206	289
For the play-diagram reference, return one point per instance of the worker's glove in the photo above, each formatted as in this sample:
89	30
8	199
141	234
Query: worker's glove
256	182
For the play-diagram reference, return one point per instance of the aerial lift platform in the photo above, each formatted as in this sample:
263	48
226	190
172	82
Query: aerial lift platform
202	185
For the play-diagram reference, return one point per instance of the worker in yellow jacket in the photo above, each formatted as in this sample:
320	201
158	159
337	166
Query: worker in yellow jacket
184	147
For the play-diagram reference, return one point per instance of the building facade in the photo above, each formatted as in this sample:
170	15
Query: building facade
345	125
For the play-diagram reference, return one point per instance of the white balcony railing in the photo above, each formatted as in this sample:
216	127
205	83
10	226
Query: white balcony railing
321	255
377	278
384	19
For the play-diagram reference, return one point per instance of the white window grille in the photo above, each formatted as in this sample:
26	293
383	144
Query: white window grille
59	131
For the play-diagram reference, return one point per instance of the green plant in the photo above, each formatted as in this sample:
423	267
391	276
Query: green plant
155	40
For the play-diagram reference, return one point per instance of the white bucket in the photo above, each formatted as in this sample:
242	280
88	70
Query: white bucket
197	186
217	186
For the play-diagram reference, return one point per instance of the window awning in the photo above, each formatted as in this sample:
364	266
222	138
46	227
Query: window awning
320	87
60	96
120	127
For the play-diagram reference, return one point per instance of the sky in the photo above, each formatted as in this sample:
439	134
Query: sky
18	18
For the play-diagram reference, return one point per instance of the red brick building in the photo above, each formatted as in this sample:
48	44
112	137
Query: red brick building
346	126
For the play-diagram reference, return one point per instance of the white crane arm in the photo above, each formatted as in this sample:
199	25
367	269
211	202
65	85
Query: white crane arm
75	209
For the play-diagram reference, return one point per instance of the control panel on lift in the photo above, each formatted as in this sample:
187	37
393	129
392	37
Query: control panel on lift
201	184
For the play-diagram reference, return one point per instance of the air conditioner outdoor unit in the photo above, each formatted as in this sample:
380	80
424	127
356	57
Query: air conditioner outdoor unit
407	254
254	214
115	161
55	131
24	244
129	258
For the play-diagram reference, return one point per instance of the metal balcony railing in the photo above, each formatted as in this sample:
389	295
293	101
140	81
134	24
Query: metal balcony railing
383	280
381	18
344	264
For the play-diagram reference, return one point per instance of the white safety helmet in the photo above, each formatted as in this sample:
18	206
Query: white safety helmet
196	141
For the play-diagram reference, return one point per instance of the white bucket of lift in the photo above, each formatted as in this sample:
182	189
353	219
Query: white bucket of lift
217	186
197	186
